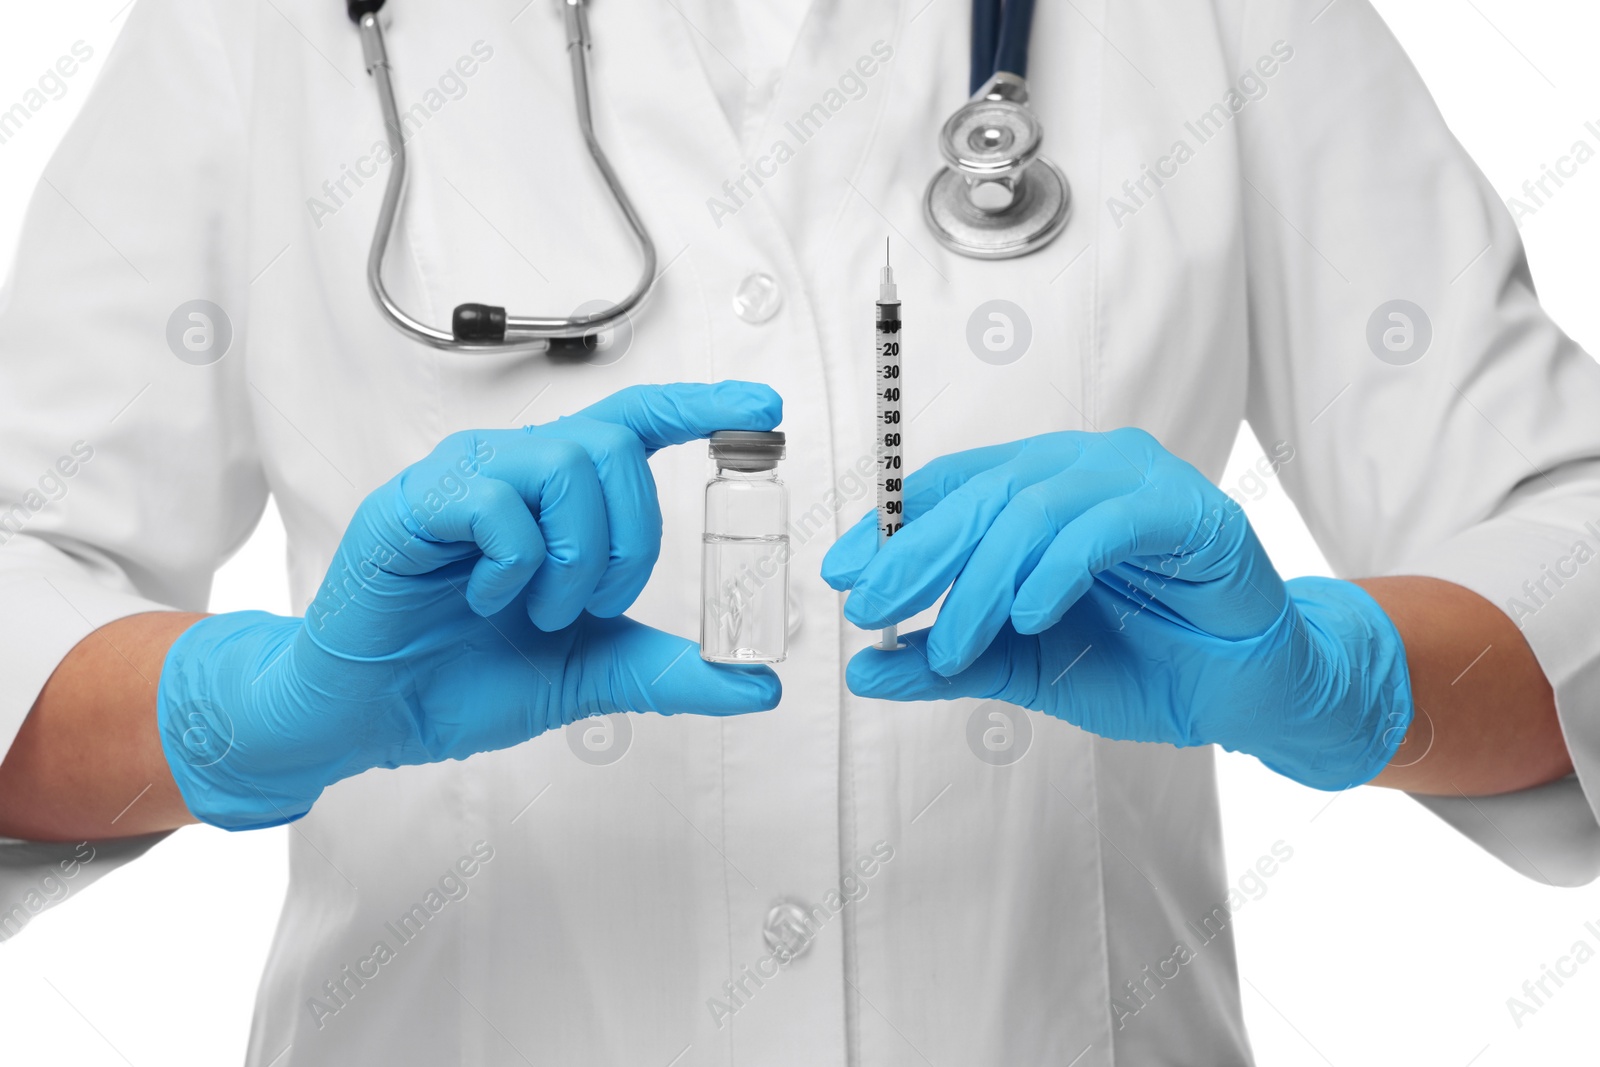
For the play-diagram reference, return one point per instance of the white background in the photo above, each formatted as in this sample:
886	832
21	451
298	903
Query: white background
1384	940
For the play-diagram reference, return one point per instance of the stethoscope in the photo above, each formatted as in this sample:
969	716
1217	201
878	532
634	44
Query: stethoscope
996	197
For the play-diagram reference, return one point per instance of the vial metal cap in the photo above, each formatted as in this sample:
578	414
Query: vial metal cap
747	450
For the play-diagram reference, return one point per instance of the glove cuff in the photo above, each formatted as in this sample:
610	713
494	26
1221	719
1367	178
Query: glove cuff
1361	706
211	681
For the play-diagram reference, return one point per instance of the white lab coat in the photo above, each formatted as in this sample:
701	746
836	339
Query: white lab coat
616	900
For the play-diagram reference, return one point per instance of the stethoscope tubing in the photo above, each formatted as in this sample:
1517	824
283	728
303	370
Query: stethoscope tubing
1000	32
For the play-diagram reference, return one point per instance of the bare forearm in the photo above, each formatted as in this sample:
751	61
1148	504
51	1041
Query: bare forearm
87	763
1485	718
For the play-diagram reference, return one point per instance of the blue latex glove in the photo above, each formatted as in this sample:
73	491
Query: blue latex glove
1100	579
473	603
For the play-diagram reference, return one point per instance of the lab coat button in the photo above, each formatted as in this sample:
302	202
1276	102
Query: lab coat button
758	298
789	929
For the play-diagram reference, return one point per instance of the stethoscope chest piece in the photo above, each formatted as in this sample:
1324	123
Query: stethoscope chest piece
996	196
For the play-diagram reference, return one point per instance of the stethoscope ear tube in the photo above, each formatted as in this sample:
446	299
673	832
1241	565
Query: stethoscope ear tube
485	327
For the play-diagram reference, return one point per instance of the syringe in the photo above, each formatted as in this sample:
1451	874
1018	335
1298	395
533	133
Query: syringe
891	499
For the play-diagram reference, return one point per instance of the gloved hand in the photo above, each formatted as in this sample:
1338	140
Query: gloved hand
1100	579
473	603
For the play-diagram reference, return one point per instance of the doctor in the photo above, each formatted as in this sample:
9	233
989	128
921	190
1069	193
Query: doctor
479	873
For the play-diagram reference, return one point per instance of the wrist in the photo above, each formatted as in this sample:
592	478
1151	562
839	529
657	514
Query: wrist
213	681
1351	667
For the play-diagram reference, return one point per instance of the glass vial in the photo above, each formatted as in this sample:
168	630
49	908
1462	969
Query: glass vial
744	576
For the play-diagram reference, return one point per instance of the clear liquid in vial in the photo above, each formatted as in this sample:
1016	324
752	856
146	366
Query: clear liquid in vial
745	617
